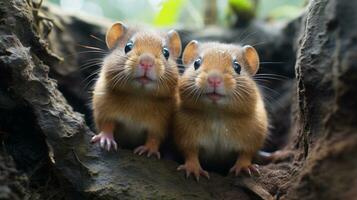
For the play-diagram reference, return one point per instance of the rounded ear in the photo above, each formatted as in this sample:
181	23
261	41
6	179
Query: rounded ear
252	58
190	52
174	43
114	33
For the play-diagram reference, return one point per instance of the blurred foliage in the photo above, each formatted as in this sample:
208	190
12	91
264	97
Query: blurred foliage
187	13
241	5
241	12
279	9
169	13
284	12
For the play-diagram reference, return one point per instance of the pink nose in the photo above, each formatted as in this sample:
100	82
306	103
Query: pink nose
146	61
214	81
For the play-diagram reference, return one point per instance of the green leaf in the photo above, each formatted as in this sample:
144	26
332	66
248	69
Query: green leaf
170	12
241	5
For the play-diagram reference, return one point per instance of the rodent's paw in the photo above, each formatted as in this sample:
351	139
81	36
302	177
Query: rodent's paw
249	169
106	141
193	168
149	150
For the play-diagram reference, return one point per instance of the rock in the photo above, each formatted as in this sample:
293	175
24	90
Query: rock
324	162
79	41
13	185
327	101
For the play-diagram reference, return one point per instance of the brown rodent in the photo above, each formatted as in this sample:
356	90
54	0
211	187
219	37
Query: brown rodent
136	91
221	110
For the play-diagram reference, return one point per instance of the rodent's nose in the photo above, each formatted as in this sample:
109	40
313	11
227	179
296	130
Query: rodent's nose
214	80
146	61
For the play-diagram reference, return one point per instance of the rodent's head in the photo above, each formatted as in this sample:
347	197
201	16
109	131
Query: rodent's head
219	75
142	60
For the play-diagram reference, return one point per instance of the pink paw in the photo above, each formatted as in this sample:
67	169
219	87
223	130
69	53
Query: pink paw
106	141
194	169
148	150
248	169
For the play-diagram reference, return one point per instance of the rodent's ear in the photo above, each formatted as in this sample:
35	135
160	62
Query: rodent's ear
174	43
252	58
114	33
190	52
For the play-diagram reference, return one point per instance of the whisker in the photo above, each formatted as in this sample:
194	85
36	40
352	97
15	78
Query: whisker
91	61
269	78
257	44
95	37
270	89
90	47
89	65
99	52
242	33
89	84
91	75
85	88
272	62
273	75
246	37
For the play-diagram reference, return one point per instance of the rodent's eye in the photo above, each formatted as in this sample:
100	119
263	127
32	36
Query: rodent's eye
128	46
166	52
236	66
197	63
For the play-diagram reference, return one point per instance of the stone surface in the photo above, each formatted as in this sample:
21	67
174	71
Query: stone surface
13	185
326	103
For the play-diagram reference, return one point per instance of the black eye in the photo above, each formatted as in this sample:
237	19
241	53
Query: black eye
166	52
128	46
236	66
197	63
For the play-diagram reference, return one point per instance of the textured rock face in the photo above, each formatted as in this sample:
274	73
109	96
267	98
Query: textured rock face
327	102
12	183
40	127
79	41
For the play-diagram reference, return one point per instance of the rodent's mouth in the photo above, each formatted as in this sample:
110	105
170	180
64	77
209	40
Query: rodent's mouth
144	80
214	96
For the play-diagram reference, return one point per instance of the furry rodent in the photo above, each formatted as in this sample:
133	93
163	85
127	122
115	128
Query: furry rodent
136	91
221	110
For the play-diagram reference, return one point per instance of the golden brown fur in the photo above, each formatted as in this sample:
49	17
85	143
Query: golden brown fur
236	124
119	99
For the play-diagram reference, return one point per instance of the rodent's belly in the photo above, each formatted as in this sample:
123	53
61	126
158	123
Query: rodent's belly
218	151
130	133
217	141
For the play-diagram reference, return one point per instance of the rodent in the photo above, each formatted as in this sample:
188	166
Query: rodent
136	91
221	110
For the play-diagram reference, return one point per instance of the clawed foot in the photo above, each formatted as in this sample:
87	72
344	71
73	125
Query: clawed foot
106	141
248	169
149	150
193	168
